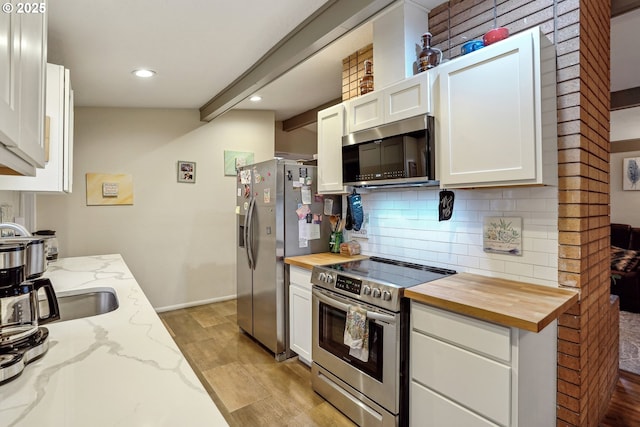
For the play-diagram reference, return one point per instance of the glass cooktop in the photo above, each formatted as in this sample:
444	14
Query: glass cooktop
391	272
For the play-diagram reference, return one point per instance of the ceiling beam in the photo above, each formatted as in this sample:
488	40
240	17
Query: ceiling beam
620	7
625	145
308	117
626	98
333	20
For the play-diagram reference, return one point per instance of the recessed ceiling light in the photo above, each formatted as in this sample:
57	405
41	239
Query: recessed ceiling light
142	72
255	98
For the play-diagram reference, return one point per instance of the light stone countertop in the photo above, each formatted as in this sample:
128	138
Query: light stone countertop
116	369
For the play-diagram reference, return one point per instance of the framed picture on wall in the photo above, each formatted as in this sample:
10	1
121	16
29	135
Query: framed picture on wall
186	172
631	173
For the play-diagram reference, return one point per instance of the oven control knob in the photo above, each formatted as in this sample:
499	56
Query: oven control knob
375	293
329	278
366	290
322	277
386	295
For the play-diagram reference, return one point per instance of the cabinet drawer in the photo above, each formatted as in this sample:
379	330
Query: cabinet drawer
300	277
430	409
478	383
483	337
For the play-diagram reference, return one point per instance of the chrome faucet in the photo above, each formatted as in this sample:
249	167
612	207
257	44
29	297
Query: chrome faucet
18	229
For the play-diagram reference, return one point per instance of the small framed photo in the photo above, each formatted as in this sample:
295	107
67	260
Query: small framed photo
631	173
186	171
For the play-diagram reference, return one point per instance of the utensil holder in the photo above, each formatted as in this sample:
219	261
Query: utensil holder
334	242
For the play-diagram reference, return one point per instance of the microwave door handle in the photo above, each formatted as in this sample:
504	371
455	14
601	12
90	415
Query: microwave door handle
345	307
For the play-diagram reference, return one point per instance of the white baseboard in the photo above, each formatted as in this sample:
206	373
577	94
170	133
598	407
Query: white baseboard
193	303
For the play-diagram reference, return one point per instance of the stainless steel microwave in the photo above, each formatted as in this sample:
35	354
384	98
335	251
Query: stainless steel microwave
401	153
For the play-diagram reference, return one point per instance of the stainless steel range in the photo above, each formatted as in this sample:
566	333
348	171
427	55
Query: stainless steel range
369	380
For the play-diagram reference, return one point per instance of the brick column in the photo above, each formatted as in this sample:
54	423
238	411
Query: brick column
588	332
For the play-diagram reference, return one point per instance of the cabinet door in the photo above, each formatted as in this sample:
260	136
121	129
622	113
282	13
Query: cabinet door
300	313
33	35
407	99
56	176
365	111
9	78
488	131
330	131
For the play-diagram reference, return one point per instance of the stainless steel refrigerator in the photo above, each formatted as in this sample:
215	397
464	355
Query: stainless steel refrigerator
279	215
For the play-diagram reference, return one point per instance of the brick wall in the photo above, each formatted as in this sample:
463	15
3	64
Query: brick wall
588	332
353	70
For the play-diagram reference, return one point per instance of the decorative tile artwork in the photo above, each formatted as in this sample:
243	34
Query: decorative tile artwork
109	189
502	235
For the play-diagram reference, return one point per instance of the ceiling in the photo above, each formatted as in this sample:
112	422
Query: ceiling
625	55
198	48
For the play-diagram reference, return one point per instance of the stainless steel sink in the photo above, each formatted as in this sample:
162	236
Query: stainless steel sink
85	303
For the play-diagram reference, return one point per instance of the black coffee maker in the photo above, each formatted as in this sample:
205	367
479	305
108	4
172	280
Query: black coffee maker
22	339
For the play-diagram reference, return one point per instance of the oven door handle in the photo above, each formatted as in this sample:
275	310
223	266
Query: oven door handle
345	307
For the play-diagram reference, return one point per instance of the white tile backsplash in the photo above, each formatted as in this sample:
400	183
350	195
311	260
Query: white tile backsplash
403	224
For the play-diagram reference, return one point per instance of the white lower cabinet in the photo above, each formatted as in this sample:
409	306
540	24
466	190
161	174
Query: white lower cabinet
300	312
469	372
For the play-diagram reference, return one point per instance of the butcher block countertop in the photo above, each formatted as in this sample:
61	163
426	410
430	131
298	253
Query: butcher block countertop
506	302
324	258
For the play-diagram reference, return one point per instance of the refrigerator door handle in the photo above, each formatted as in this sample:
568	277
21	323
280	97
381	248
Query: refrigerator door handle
249	238
245	236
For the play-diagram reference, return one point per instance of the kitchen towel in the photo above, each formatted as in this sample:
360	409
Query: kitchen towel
356	333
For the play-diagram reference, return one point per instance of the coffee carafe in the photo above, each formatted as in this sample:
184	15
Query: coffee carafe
19	306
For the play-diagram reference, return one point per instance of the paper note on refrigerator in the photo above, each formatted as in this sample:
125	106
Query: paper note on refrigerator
308	231
306	195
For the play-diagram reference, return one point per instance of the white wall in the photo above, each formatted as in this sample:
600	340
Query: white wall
404	225
300	143
625	124
178	239
625	205
10	203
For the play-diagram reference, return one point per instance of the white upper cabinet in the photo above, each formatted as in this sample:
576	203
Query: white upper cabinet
402	100
22	62
331	128
57	174
365	111
497	115
32	76
9	78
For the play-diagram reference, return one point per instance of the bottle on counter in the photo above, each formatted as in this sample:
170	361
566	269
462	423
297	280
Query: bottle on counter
366	83
429	57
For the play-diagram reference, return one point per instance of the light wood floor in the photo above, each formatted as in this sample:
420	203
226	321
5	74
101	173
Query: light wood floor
249	387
